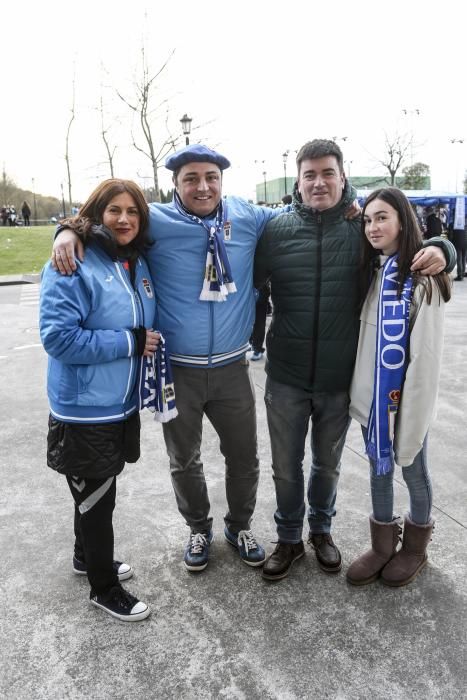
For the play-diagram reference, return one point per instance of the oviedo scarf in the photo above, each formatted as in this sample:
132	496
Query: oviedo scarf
392	335
156	386
218	280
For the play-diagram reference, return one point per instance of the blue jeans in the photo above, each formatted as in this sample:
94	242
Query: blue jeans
289	410
418	482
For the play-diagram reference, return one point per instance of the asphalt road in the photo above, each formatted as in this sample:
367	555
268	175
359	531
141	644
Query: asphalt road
225	633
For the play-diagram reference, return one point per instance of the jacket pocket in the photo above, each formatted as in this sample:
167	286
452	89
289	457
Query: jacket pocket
107	384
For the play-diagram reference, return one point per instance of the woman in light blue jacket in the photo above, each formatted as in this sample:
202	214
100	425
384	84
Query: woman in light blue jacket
96	326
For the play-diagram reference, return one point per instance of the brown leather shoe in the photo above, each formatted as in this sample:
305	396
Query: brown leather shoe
278	565
327	554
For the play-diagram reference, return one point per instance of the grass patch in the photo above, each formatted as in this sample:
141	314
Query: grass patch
24	250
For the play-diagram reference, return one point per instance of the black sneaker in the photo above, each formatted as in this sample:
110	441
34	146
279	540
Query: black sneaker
327	554
123	571
278	565
121	604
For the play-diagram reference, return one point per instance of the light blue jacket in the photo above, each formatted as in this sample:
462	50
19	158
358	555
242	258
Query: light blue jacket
85	327
204	333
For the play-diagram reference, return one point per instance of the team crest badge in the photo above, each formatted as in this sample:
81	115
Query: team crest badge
227	231
147	288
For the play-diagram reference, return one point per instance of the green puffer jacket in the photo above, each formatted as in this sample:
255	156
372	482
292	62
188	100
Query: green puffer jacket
312	260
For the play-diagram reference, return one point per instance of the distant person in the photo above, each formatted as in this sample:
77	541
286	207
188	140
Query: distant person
12	216
259	327
96	327
287	199
26	213
443	216
433	224
458	236
4	215
395	385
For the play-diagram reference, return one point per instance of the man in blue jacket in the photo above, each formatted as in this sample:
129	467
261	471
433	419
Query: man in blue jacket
202	268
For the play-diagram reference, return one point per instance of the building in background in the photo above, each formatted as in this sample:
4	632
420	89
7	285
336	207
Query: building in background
270	192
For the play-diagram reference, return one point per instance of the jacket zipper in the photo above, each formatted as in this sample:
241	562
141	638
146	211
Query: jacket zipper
136	303
211	331
317	299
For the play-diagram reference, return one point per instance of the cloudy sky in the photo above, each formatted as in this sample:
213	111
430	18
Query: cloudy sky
257	78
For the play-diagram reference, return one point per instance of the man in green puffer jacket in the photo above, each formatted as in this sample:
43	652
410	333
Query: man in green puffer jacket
311	256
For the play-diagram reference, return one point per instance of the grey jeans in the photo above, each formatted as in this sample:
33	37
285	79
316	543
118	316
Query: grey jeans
226	396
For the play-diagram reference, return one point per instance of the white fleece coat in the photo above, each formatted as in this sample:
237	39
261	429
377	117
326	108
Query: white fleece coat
420	390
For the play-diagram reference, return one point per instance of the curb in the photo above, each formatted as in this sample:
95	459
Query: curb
28	278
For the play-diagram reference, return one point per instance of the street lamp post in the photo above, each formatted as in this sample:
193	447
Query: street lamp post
186	128
34	198
262	162
63	200
459	141
284	159
411	113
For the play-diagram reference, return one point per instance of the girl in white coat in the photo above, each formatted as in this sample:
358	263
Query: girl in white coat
395	385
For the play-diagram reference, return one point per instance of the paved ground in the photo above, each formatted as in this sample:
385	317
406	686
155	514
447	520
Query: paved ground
224	633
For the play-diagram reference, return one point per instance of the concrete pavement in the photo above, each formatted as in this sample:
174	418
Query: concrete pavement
224	633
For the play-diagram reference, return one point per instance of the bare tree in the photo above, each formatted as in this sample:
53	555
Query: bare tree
397	148
8	187
67	145
104	132
158	143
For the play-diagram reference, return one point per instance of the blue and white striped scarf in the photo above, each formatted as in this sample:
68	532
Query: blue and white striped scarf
156	386
392	336
218	280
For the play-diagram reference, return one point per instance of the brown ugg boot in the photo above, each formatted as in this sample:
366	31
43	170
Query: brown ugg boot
412	557
384	540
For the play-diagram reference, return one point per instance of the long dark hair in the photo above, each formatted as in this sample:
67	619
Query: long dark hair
409	243
92	211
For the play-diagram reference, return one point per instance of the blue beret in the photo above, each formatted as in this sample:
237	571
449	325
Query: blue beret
196	153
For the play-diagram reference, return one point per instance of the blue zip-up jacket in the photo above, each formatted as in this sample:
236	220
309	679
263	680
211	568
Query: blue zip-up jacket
85	327
204	333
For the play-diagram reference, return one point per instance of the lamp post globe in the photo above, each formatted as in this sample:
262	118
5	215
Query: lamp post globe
186	128
285	155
